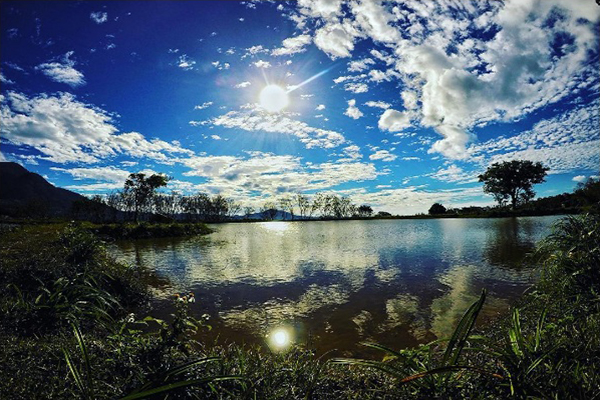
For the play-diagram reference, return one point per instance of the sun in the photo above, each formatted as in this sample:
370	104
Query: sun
273	98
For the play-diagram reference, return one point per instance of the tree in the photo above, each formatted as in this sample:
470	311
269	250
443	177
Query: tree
140	190
513	180
248	210
365	211
437	209
303	204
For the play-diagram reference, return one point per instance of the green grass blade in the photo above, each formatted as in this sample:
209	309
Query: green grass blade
86	357
461	333
74	373
177	385
383	367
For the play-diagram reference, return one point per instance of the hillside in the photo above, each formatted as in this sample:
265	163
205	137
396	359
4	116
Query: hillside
25	193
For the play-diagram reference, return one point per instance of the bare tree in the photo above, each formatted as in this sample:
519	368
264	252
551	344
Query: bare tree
287	204
268	210
233	208
248	210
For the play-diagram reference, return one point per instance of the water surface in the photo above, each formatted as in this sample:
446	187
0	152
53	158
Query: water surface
337	283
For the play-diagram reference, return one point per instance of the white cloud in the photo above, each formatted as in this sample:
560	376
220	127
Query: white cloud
5	80
383	155
293	45
378	104
63	71
356	87
320	107
279	123
568	142
394	121
336	40
102	174
99	17
352	153
262	64
185	63
265	174
203	105
360	65
454	174
65	130
454	80
242	85
352	111
215	137
579	178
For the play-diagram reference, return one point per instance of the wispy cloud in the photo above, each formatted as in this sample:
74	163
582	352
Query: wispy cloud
63	71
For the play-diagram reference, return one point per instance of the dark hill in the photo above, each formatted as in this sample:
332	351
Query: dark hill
27	194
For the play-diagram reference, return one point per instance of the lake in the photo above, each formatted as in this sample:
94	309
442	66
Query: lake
333	284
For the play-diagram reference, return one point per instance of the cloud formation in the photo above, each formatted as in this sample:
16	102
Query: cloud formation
63	71
65	130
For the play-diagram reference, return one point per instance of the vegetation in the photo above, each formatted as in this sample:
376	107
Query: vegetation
66	331
437	209
148	230
139	190
513	180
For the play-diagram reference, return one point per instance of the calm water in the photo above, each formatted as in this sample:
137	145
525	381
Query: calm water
397	282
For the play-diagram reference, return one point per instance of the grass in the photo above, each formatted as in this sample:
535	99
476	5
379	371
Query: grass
141	230
66	332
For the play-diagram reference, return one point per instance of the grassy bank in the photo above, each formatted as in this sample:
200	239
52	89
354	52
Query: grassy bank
131	230
67	332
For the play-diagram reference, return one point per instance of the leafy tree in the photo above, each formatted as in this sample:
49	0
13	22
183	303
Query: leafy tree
437	209
140	190
513	180
365	211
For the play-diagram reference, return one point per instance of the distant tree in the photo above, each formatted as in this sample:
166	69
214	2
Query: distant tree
513	180
248	210
588	193
287	204
317	204
383	214
437	209
140	190
303	204
268	211
219	208
365	211
233	208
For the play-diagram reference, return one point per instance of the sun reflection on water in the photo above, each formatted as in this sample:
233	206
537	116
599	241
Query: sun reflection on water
281	338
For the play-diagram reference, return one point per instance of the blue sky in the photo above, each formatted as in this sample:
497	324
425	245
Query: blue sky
396	104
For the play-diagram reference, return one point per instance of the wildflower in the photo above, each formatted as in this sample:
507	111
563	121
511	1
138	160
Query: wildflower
205	317
192	298
130	318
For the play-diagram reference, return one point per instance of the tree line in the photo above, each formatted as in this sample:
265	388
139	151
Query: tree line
140	200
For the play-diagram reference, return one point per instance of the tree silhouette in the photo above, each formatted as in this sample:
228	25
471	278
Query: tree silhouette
437	209
513	180
139	190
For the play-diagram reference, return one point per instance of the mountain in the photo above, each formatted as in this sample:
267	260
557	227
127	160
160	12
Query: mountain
27	194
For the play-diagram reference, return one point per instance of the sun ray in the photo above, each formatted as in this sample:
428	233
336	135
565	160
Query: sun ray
312	78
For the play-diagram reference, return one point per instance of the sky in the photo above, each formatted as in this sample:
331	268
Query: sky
395	104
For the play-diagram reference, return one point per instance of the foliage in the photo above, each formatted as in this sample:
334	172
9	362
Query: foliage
148	230
138	190
437	209
365	211
513	180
